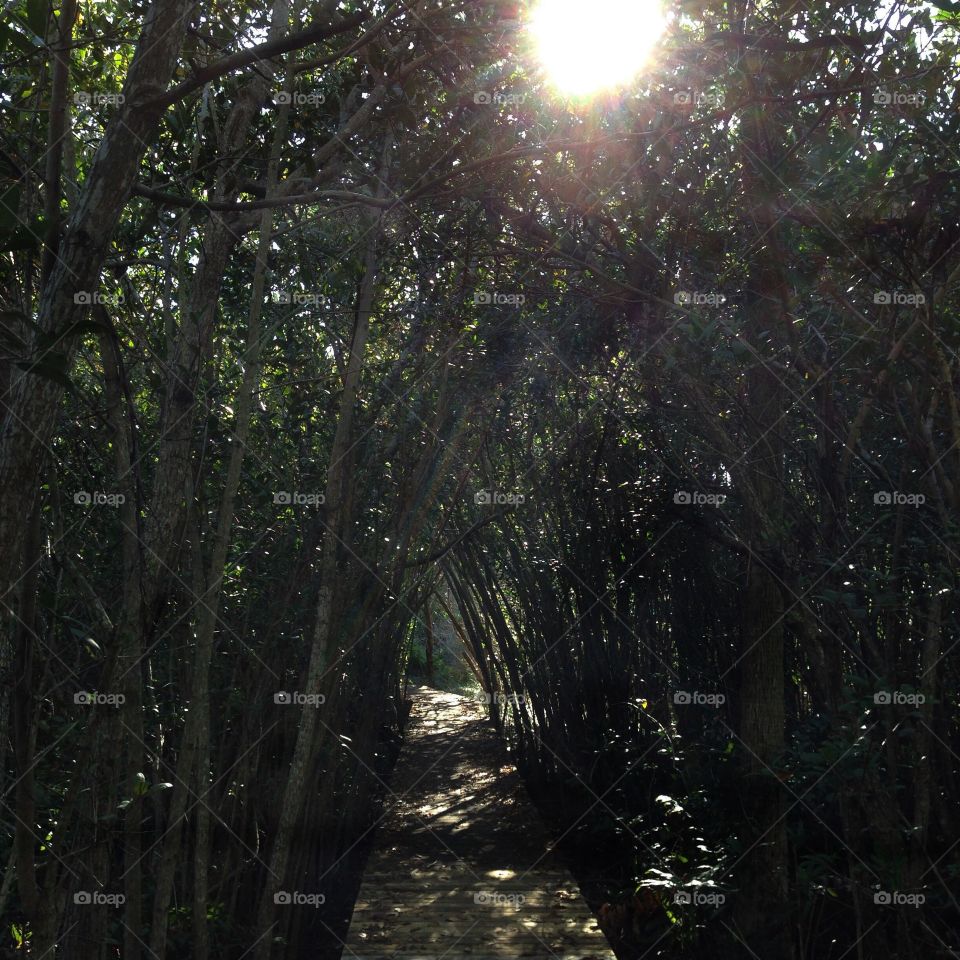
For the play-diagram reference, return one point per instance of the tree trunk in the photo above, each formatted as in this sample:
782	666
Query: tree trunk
128	639
294	792
428	623
32	410
762	910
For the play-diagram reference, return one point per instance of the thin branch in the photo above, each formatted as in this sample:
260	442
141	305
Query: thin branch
262	51
443	551
173	200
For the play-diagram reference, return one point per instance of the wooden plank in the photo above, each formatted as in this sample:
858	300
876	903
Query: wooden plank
462	865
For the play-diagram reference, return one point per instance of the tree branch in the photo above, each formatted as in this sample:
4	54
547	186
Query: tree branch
443	551
226	206
262	51
779	45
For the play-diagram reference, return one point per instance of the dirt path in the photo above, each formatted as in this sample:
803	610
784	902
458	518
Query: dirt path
462	865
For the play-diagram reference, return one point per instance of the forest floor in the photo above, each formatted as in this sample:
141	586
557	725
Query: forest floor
462	865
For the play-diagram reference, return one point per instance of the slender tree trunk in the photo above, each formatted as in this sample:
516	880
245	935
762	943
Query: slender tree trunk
211	604
762	910
428	622
293	796
24	735
32	409
194	761
57	133
128	638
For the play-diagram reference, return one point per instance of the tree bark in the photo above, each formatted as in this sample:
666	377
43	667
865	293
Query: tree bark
762	911
294	792
28	425
128	638
428	624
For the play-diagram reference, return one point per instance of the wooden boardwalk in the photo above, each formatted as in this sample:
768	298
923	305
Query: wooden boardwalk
462	865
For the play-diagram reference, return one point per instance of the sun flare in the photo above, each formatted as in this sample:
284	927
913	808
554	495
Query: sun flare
587	46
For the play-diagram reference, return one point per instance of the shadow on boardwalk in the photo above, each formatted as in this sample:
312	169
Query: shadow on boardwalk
462	866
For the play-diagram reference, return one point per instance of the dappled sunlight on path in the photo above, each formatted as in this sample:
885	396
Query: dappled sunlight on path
462	866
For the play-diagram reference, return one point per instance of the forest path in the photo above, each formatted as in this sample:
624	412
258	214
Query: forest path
462	865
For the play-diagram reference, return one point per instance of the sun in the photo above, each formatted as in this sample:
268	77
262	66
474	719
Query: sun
587	46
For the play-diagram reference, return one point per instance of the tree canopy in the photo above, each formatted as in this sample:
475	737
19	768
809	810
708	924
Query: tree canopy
321	320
